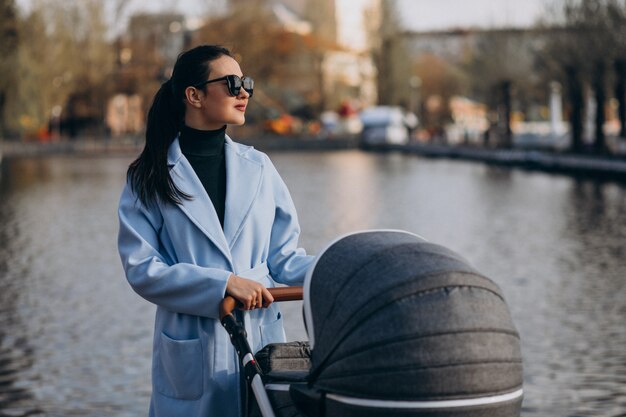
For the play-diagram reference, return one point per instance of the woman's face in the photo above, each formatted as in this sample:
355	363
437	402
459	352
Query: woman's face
217	107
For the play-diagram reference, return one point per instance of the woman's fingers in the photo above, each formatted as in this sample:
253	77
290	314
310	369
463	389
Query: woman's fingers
267	298
263	298
257	299
253	298
249	293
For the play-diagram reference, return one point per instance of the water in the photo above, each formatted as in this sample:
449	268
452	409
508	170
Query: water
76	341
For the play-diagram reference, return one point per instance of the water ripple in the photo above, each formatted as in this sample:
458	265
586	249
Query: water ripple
76	341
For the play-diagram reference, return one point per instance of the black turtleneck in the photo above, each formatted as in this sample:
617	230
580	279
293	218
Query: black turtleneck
204	149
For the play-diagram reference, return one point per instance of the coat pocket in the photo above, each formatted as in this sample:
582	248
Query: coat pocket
179	368
273	332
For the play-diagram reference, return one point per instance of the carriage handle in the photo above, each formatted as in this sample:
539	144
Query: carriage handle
229	303
238	337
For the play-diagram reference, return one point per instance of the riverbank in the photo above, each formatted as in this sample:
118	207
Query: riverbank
134	145
606	167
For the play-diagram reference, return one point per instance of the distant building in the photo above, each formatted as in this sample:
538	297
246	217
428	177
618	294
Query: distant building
459	45
316	73
346	74
451	45
511	52
320	15
124	114
146	54
349	76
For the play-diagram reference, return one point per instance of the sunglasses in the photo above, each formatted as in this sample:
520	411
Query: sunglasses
235	83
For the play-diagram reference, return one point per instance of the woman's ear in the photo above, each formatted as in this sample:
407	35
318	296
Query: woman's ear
192	95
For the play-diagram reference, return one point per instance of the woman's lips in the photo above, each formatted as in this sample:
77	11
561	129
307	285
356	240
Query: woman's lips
241	107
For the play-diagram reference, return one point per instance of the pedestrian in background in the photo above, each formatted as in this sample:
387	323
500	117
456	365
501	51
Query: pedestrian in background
200	217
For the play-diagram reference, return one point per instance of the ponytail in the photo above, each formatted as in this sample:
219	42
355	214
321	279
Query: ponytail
149	175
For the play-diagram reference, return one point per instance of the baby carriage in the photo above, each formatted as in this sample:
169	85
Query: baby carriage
397	327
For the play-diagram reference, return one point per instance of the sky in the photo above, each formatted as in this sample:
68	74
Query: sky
432	15
424	15
418	15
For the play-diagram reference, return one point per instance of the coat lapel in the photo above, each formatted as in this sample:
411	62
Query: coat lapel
199	209
243	181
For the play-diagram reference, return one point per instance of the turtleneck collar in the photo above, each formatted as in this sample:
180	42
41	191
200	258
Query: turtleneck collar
202	142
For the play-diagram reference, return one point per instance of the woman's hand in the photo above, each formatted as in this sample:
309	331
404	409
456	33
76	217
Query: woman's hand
248	292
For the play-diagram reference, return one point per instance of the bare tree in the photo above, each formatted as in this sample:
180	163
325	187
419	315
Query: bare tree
583	49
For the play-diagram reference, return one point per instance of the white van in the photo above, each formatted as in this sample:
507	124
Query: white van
386	125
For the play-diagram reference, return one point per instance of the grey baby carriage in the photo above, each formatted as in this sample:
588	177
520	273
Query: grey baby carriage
397	327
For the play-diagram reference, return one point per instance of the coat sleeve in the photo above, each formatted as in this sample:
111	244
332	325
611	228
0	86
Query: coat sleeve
177	287
288	263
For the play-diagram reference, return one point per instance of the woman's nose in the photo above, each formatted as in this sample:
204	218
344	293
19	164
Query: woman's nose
243	93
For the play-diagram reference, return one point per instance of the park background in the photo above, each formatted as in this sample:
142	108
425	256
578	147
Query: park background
543	74
537	80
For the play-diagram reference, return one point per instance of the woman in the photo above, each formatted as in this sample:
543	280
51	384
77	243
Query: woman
200	217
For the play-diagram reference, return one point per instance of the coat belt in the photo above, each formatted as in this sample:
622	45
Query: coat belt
258	272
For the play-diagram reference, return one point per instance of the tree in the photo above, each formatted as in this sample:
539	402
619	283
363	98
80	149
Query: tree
287	63
63	58
616	21
8	51
501	66
87	46
28	110
590	17
588	43
440	81
390	53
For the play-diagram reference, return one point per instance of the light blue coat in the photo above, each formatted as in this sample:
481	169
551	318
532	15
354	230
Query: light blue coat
179	258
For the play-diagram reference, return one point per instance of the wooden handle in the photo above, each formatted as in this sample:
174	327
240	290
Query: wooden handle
228	304
286	293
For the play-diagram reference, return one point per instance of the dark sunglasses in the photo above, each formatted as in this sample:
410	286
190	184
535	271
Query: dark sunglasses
235	83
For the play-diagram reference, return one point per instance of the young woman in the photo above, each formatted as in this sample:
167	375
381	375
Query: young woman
200	217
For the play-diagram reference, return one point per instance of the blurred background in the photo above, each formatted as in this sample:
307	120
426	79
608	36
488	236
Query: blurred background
540	79
538	73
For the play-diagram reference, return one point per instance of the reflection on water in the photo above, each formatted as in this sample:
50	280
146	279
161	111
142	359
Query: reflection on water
66	301
16	352
75	340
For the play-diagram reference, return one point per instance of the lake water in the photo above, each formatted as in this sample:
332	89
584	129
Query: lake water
76	341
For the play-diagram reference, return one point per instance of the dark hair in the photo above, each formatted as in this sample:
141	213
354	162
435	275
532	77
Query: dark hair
149	175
